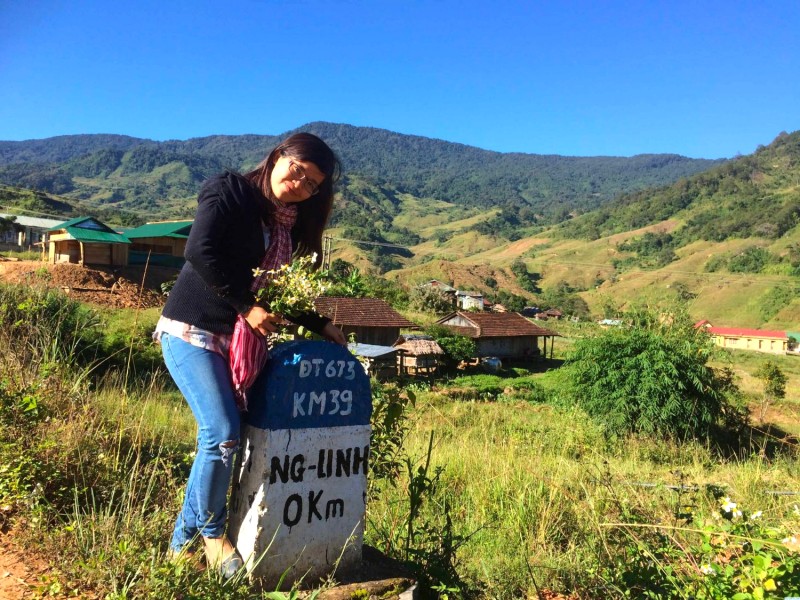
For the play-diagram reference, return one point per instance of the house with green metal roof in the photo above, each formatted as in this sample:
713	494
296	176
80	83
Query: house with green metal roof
87	241
161	243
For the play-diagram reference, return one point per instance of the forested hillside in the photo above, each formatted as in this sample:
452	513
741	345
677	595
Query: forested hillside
161	179
752	196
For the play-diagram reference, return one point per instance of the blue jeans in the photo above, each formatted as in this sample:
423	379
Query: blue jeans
203	378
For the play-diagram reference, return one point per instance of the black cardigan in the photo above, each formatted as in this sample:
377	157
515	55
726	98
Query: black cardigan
225	244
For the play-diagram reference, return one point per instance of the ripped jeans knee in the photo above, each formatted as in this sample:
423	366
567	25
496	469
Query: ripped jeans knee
228	449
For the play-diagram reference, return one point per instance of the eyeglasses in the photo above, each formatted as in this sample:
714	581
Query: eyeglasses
297	173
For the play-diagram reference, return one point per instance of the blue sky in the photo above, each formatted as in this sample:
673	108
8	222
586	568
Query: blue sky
702	79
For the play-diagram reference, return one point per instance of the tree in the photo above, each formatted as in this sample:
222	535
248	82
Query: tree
430	299
457	347
347	280
527	281
651	377
563	297
774	381
7	223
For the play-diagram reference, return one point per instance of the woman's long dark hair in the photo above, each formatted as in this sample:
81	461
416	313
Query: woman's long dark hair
313	213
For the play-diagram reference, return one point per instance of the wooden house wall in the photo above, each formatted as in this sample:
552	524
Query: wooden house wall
93	254
507	347
159	245
458	321
418	364
61	251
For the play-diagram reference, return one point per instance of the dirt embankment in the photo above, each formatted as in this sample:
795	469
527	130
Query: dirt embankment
123	287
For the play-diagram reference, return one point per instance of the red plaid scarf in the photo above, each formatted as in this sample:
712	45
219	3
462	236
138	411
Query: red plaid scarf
248	352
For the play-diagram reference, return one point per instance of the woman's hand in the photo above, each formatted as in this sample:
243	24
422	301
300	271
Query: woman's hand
263	322
333	334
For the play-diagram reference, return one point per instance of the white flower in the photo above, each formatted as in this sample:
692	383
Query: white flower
756	515
796	510
706	569
258	272
727	505
737	514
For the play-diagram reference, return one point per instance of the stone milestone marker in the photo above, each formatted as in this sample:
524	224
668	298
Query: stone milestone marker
299	497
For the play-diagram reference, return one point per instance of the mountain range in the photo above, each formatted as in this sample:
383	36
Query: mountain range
161	179
592	225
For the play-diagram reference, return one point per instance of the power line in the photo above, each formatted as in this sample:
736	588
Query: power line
744	276
369	243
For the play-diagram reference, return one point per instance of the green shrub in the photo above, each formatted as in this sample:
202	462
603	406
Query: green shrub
751	260
716	263
430	299
44	326
776	299
649	379
457	347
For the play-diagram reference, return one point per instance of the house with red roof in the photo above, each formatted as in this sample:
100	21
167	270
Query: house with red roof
740	338
371	320
504	335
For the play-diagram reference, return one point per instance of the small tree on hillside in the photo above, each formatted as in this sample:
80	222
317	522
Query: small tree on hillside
774	381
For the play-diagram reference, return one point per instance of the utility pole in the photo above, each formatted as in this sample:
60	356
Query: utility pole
327	247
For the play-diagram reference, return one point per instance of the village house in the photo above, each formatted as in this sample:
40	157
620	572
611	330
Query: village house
87	241
26	231
739	338
370	320
504	335
550	313
161	243
469	300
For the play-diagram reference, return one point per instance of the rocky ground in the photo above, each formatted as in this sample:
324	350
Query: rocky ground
20	572
122	287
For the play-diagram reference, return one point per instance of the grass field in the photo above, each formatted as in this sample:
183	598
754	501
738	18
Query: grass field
499	492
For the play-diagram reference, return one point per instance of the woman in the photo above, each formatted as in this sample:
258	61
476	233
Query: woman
241	222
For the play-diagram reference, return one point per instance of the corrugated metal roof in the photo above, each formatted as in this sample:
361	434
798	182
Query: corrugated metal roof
89	229
360	312
170	229
371	350
32	221
91	235
76	221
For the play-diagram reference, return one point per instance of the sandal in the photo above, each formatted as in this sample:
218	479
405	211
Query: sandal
231	565
228	566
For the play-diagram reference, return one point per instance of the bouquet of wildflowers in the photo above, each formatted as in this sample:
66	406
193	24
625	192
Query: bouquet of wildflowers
290	290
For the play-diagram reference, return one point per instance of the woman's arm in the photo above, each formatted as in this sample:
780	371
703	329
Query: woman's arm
210	236
321	326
